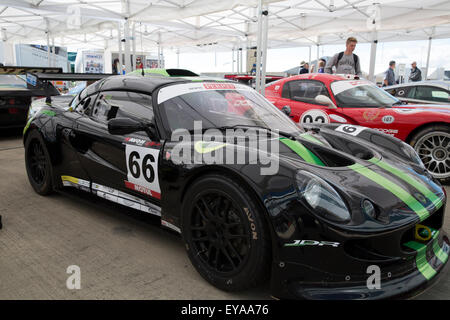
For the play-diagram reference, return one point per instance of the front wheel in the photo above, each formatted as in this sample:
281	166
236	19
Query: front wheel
225	233
37	163
433	146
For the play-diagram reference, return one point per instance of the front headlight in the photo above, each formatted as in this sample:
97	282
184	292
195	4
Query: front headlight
322	197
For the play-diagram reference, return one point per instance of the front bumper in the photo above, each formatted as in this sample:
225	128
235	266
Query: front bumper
327	272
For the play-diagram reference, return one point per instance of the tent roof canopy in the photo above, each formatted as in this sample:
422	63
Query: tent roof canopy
197	25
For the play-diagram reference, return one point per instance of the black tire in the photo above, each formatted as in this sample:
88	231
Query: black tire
433	146
230	246
38	164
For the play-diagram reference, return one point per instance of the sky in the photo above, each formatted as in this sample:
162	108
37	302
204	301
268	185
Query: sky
279	60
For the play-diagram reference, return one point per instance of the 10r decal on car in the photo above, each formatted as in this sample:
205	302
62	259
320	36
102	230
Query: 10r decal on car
142	170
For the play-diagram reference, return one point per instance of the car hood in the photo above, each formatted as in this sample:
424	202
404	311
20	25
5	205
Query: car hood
397	184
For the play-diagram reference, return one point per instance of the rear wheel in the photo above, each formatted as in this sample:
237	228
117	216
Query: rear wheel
433	146
226	237
38	165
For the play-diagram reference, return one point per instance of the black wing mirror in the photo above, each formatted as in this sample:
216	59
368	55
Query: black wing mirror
123	126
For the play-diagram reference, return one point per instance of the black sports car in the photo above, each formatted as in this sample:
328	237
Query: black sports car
16	94
333	203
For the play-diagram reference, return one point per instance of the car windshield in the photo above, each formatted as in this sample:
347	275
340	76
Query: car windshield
361	93
220	105
11	82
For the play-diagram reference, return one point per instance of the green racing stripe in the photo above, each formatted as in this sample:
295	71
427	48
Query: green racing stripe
311	138
395	189
437	202
421	259
302	151
440	254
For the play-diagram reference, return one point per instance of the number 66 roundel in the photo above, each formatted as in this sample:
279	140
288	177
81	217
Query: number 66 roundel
142	170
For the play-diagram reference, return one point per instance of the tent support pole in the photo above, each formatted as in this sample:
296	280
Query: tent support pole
317	55
428	58
119	38
373	56
133	35
258	48
265	33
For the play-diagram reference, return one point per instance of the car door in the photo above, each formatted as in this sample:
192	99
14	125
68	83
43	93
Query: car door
300	96
119	165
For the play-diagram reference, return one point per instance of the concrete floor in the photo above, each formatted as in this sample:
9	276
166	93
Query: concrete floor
121	254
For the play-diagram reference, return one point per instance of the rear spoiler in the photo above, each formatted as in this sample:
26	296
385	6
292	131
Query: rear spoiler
43	79
69	76
24	70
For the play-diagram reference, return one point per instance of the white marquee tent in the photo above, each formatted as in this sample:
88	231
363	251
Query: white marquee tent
199	25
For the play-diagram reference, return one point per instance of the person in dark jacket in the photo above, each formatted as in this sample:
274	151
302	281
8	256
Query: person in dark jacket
416	74
304	68
389	75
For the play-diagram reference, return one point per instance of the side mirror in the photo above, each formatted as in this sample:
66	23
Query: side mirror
321	99
286	110
122	126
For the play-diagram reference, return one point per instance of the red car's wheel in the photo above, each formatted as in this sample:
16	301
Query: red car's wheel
433	146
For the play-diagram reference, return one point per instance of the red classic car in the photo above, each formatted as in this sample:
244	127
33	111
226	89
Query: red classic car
326	98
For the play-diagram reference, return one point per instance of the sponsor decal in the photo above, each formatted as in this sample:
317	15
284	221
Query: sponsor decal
142	168
252	223
173	91
302	243
219	86
337	118
315	116
391	132
142	189
350	129
31	79
388	119
137	142
370	115
277	88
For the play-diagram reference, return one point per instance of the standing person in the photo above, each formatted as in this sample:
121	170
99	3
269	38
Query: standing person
416	74
345	62
304	68
389	75
115	66
321	67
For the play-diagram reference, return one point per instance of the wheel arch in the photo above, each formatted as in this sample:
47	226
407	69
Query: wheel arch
424	126
242	181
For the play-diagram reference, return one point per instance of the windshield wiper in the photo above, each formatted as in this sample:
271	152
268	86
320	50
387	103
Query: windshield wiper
398	103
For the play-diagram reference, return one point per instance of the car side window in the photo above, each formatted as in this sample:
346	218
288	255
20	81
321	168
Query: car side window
432	93
307	90
85	105
285	92
411	92
122	104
